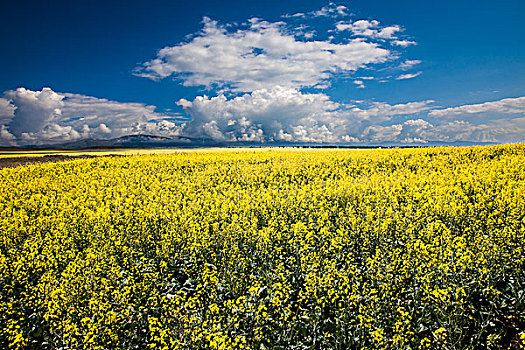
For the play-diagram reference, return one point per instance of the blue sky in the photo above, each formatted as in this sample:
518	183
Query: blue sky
299	71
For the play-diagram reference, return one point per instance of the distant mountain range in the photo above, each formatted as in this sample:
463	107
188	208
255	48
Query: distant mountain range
132	141
152	141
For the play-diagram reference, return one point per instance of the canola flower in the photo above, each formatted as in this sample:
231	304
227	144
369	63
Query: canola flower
364	249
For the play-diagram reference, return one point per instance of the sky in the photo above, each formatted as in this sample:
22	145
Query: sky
349	72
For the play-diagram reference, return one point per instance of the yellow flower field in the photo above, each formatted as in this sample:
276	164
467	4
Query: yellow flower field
359	249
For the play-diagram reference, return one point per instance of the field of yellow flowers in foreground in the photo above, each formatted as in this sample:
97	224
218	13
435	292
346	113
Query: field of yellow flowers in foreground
398	249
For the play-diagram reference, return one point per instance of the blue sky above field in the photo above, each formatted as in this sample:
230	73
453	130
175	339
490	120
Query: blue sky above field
263	71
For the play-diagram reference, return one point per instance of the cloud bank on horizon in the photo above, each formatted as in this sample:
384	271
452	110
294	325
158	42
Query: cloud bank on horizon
267	82
42	117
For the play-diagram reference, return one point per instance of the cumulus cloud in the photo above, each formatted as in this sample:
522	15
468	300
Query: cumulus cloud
508	129
411	131
370	29
6	136
403	43
262	115
7	110
289	115
504	106
461	130
47	116
34	109
494	121
284	114
280	114
331	10
50	132
419	131
261	55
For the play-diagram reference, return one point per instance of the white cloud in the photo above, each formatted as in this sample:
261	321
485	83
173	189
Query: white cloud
265	115
5	135
331	10
384	110
370	29
104	128
47	116
410	131
408	76
7	110
261	56
295	15
504	106
508	129
360	27
283	114
388	32
268	114
407	64
460	130
304	31
403	43
34	109
495	129
51	132
421	131
383	133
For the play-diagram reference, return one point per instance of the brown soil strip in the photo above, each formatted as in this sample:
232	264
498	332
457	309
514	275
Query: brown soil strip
18	161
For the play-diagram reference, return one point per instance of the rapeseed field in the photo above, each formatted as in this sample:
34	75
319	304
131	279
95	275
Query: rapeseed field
324	249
